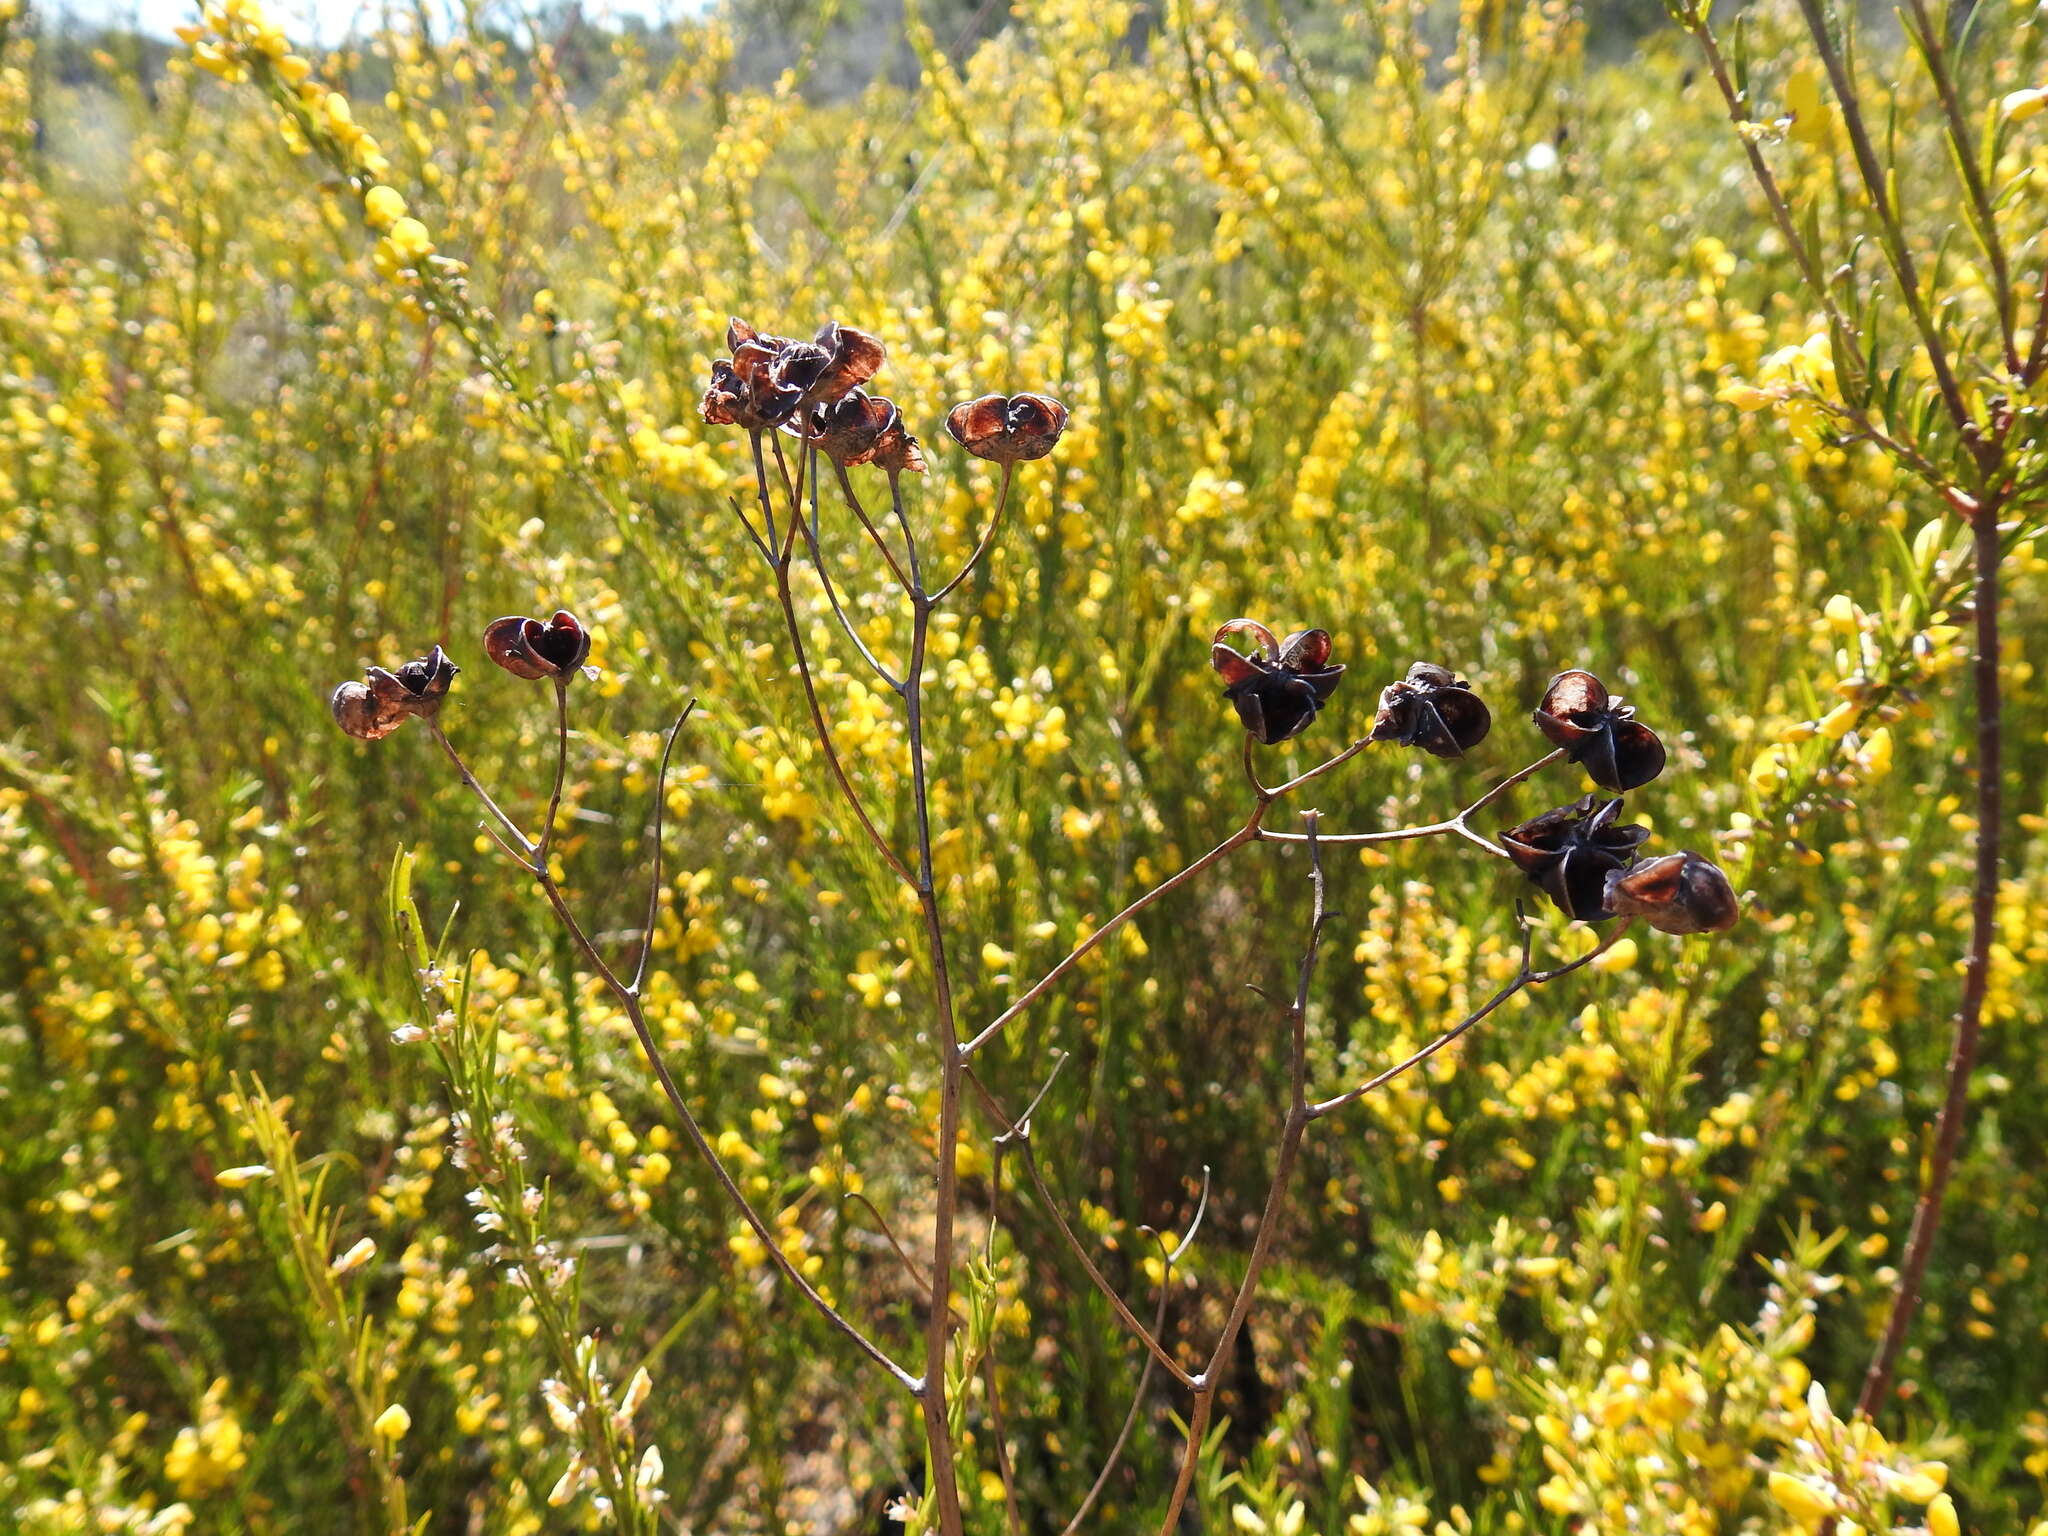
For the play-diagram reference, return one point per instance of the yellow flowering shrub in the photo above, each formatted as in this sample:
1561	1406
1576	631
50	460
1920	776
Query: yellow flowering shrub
1460	330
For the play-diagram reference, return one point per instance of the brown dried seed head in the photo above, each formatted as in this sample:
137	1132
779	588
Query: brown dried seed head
1280	687
527	648
1599	732
1676	893
362	714
850	430
1008	429
854	358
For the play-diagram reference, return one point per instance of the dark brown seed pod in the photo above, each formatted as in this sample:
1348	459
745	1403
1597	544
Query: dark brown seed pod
1675	893
1570	852
747	389
1432	708
527	648
851	429
1598	732
1007	429
362	714
851	359
1279	687
374	709
897	452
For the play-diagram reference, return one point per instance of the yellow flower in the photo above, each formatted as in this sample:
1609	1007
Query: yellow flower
409	241
392	1423
383	207
1941	1517
2018	106
1800	1499
360	1254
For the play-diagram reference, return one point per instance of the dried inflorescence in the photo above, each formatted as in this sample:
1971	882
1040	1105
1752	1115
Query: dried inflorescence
1582	856
373	710
860	428
1432	708
769	379
1675	893
1280	687
527	648
1571	851
523	646
1008	429
1599	732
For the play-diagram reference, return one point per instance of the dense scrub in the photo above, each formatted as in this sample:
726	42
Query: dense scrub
1430	333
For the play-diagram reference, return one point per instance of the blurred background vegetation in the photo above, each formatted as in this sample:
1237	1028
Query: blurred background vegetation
1402	320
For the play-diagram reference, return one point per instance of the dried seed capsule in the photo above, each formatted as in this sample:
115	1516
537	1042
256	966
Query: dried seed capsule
1434	709
851	430
527	648
1570	852
1281	686
1675	893
1007	429
1598	732
373	710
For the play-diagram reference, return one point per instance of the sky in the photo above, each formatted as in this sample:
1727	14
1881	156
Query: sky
313	21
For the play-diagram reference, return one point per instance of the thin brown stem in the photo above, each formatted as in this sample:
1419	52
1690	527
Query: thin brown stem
1252	830
1524	978
1293	1127
1766	179
812	542
909	538
1019	1136
522	845
628	998
793	625
1459	824
547	825
988	538
654	835
1892	235
867	523
952	1062
1984	215
1948	1130
1094	940
1168	1258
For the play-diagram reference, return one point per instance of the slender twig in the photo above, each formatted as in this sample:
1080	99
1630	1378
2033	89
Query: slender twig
793	626
988	538
952	1063
654	835
1459	824
910	1266
1892	235
755	538
1080	951
1292	1128
1767	182
1020	1138
1984	220
1168	1256
1014	1132
547	825
773	540
1948	1130
1250	831
909	538
1525	977
867	523
812	542
519	838
629	1000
